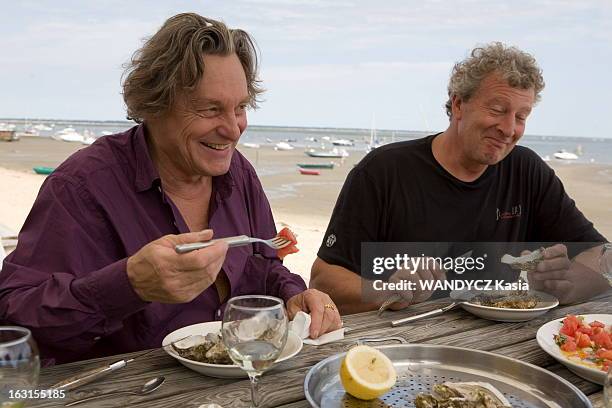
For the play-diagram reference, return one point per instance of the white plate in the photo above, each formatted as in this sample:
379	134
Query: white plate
293	346
547	343
502	314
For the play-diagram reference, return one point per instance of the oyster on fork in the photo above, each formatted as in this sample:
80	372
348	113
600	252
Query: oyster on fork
527	262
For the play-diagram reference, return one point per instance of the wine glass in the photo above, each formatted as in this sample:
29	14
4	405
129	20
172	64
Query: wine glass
254	330
19	366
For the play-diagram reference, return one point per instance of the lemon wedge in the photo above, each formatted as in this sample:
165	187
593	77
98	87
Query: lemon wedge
366	373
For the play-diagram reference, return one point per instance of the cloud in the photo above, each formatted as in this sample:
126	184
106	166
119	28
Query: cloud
333	72
329	62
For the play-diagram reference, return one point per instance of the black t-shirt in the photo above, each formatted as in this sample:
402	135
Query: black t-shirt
400	193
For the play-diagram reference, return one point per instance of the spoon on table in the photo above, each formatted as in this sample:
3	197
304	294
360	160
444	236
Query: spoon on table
146	388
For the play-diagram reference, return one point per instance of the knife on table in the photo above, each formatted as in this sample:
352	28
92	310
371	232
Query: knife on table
91	375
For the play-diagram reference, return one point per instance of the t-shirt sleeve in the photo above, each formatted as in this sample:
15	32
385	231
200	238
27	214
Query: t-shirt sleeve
356	218
558	217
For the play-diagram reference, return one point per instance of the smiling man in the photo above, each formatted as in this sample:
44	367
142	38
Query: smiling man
470	183
95	271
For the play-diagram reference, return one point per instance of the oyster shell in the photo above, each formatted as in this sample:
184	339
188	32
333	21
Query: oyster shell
527	262
512	300
205	349
462	395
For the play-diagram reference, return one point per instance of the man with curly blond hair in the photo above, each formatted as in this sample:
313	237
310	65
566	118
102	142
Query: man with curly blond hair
470	183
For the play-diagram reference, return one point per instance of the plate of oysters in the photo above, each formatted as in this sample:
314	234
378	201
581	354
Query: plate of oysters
509	305
437	376
199	347
506	306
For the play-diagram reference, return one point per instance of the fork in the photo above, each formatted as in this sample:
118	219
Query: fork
240	240
391	299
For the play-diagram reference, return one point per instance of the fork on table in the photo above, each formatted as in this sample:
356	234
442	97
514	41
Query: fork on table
240	240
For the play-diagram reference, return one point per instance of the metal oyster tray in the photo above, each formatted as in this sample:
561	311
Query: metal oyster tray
420	366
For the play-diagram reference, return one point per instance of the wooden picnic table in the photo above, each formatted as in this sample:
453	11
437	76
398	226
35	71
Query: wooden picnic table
284	385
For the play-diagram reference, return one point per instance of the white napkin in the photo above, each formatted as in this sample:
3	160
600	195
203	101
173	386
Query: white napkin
300	325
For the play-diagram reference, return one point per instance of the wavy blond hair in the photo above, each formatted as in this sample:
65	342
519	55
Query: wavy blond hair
517	67
171	62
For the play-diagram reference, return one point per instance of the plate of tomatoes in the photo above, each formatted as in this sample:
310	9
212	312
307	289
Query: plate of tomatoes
583	343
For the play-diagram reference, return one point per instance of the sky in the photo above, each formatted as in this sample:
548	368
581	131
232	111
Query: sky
324	63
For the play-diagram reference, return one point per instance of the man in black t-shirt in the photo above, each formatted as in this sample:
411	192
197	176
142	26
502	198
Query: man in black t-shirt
469	183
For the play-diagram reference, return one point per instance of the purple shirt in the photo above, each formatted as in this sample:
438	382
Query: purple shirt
67	280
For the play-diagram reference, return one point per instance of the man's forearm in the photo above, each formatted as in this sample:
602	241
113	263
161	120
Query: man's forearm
590	258
344	287
64	312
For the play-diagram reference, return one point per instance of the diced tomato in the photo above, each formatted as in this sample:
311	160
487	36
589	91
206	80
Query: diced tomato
602	339
568	346
597	330
585	329
597	324
605	354
290	249
583	340
570	325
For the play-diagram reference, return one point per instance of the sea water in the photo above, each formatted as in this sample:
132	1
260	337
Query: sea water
590	149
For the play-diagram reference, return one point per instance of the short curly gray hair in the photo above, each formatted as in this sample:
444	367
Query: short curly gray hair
170	63
519	68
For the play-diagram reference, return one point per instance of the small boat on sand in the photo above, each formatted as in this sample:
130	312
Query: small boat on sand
329	154
316	165
283	146
565	155
342	142
43	170
308	172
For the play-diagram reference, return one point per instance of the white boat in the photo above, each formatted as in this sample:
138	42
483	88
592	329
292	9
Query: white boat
88	137
88	140
342	142
7	126
28	132
374	143
329	154
69	135
42	126
251	145
283	146
565	155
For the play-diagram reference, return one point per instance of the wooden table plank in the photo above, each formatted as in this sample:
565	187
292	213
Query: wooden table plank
300	404
597	400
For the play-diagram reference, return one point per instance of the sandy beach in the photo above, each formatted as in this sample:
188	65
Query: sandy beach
303	203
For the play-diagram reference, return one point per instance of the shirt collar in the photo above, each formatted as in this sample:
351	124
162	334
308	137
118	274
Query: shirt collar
146	173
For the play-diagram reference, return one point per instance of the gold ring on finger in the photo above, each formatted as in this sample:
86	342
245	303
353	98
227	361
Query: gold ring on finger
329	306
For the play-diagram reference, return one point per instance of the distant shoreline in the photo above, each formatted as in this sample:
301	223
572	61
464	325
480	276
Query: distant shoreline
400	133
